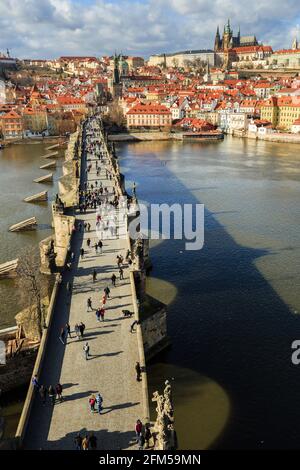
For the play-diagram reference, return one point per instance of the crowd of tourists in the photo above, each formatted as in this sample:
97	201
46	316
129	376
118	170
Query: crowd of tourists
103	199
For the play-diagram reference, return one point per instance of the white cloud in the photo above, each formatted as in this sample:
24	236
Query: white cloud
49	28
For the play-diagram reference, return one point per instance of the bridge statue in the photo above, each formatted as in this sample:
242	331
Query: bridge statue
164	431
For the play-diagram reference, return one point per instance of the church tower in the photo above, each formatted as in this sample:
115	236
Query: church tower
295	44
218	43
207	76
227	36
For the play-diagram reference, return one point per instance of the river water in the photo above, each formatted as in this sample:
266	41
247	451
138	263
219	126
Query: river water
19	165
233	307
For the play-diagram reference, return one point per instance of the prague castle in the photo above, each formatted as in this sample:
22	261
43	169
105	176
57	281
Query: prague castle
229	41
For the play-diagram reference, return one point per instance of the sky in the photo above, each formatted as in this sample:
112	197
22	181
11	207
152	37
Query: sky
50	28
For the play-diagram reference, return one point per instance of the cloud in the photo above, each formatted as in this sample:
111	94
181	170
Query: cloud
50	28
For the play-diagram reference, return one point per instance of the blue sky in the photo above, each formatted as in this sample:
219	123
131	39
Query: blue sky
50	28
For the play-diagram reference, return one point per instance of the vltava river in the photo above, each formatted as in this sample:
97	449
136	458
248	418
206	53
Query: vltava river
19	165
233	307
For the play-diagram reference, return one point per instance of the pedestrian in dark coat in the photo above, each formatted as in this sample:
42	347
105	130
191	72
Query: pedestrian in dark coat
138	371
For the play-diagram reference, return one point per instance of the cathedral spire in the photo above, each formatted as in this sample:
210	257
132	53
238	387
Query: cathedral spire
295	43
217	40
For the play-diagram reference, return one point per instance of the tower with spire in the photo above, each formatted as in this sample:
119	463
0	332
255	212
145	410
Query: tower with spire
218	42
227	37
229	40
295	44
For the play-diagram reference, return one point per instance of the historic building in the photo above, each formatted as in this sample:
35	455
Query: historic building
179	59
114	82
281	112
287	58
230	48
12	125
149	116
229	41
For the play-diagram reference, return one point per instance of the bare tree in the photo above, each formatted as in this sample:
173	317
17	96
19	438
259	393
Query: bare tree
32	287
115	115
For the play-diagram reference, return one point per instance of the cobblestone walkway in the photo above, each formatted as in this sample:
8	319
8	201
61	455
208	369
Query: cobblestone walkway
109	370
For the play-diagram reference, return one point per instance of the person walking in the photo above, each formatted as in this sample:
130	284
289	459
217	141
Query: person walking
88	227
77	331
96	248
102	312
82	252
58	389
121	274
147	435
89	304
107	291
138	371
99	401
88	242
68	330
100	246
81	329
85	443
78	442
92	402
42	392
93	441
141	441
113	280
52	394
94	275
98	314
86	349
138	428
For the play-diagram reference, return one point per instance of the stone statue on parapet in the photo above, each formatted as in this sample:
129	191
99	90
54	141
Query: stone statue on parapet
51	257
165	434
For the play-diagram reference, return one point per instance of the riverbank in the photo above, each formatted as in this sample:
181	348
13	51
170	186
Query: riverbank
165	136
32	140
279	137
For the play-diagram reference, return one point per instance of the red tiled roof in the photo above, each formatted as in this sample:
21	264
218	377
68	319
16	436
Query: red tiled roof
11	115
149	108
287	51
243	49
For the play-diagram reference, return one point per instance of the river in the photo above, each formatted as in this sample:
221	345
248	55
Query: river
19	165
233	307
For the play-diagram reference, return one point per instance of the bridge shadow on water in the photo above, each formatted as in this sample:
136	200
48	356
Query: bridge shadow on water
226	322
